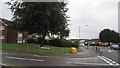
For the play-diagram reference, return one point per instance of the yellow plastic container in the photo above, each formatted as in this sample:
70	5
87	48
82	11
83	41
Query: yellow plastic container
73	50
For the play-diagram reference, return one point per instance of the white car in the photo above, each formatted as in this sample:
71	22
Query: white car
82	44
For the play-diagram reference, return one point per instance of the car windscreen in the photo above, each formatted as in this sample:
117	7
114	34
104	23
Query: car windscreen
115	45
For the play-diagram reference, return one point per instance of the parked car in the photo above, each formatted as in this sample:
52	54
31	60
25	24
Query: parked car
82	45
115	47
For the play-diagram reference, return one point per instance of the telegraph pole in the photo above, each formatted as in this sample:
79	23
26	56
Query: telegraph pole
79	37
79	31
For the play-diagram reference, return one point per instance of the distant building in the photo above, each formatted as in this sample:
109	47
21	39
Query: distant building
7	34
92	41
77	39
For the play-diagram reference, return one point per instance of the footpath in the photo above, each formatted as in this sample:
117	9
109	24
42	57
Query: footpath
86	52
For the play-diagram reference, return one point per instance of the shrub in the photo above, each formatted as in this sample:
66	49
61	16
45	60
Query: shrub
55	42
45	42
31	40
62	43
39	40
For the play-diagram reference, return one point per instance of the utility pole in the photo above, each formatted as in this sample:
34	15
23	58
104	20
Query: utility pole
79	31
79	37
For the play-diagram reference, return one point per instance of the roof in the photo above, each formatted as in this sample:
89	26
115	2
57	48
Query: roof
77	39
5	22
91	40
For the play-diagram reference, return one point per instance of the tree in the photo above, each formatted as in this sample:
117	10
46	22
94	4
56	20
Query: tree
64	33
42	18
108	35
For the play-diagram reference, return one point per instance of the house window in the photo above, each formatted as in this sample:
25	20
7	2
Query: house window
2	28
2	37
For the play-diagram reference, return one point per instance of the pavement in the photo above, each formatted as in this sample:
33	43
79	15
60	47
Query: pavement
90	52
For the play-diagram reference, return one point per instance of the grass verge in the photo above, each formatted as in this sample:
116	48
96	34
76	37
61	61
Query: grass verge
34	48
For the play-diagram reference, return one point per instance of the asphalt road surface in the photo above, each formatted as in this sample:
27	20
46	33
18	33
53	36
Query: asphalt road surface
111	54
14	60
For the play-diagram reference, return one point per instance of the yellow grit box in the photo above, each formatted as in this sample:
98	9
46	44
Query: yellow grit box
73	50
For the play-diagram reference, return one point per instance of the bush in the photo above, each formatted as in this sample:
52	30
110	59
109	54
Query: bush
94	44
31	40
45	42
62	43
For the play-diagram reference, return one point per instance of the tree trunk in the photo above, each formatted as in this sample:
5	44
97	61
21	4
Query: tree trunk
43	38
108	43
22	37
61	37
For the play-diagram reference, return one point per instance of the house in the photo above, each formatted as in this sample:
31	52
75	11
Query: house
77	40
7	34
92	41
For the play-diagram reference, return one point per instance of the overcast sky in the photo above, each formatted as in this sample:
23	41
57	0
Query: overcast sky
97	14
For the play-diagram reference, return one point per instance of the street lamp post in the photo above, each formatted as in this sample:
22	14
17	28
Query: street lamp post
79	37
80	32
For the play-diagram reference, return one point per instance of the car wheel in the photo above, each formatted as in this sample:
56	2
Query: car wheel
111	48
115	49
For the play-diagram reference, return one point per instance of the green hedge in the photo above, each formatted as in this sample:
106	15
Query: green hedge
54	42
45	42
62	43
38	41
31	40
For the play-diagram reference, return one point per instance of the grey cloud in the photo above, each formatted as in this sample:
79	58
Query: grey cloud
98	15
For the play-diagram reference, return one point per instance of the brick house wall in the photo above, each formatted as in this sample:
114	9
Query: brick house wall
10	35
3	33
0	32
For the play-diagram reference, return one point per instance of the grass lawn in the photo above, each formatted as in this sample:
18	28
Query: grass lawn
34	48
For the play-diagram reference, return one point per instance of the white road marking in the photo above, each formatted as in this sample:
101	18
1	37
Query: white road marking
85	63
36	55
107	60
101	57
68	62
16	58
36	60
3	64
23	59
117	64
109	51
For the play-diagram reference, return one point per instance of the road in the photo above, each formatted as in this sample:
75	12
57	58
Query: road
35	60
111	54
43	61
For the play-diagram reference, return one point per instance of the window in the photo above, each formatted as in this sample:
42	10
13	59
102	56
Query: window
2	37
2	28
